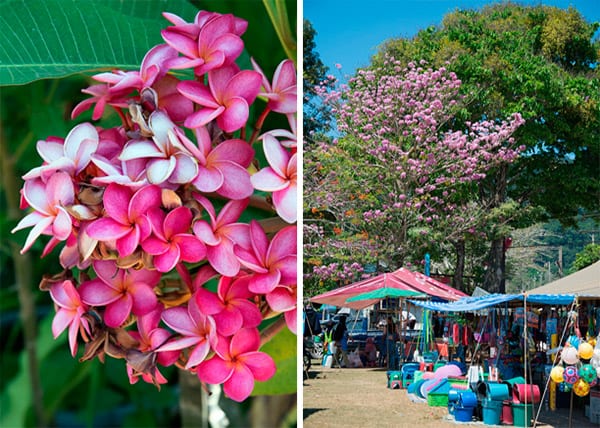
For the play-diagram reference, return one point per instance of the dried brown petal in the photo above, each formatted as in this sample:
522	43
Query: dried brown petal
49	280
170	199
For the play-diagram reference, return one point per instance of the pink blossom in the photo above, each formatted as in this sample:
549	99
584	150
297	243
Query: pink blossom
279	178
168	160
72	156
153	67
222	233
171	242
49	201
212	41
282	94
226	99
283	299
151	337
126	221
101	96
237	364
231	307
274	263
197	329
69	312
221	169
122	291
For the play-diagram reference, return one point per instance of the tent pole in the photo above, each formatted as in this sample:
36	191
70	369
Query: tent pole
525	350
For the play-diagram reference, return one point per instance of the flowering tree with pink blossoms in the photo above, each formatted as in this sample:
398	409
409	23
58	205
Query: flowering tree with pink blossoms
402	175
175	228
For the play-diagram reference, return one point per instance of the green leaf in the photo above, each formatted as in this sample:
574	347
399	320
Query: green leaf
16	399
277	11
57	38
283	350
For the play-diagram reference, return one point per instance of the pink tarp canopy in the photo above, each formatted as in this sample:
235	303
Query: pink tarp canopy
401	278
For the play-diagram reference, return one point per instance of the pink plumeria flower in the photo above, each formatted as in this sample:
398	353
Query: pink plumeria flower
130	173
221	169
237	364
213	40
280	178
151	337
122	291
222	233
231	307
168	159
177	107
283	299
101	96
274	263
126	221
171	241
287	139
198	331
154	66
226	99
282	94
70	310
72	156
49	201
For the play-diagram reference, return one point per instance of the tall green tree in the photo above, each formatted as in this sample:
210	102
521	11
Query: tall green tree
542	62
317	116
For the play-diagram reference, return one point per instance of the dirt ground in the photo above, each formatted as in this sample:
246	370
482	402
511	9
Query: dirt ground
359	398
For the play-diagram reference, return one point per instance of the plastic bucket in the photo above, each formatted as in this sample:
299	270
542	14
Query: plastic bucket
492	409
463	414
522	414
418	375
526	393
467	399
507	416
497	391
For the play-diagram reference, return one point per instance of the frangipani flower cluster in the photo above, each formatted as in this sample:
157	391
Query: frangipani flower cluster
159	266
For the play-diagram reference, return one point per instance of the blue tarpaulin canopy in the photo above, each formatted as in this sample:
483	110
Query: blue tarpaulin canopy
467	304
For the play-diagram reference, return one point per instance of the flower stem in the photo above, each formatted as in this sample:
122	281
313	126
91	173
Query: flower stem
23	278
259	123
269	333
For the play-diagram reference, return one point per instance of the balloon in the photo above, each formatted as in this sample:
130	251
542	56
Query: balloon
581	388
570	375
597	371
557	374
594	382
586	351
569	355
587	373
574	341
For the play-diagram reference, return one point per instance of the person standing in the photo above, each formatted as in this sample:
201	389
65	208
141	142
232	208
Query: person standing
390	336
340	337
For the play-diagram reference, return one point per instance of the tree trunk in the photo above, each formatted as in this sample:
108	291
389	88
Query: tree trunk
494	279
273	410
459	271
192	401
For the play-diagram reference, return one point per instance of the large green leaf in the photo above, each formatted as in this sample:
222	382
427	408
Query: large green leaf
283	350
56	38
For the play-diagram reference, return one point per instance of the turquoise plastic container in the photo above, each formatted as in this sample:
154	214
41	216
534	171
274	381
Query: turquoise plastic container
492	410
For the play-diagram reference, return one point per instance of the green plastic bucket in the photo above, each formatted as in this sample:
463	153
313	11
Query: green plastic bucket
522	414
418	375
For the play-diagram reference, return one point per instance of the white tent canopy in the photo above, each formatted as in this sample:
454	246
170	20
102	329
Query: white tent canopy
585	283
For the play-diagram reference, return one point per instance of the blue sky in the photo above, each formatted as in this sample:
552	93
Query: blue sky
349	31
